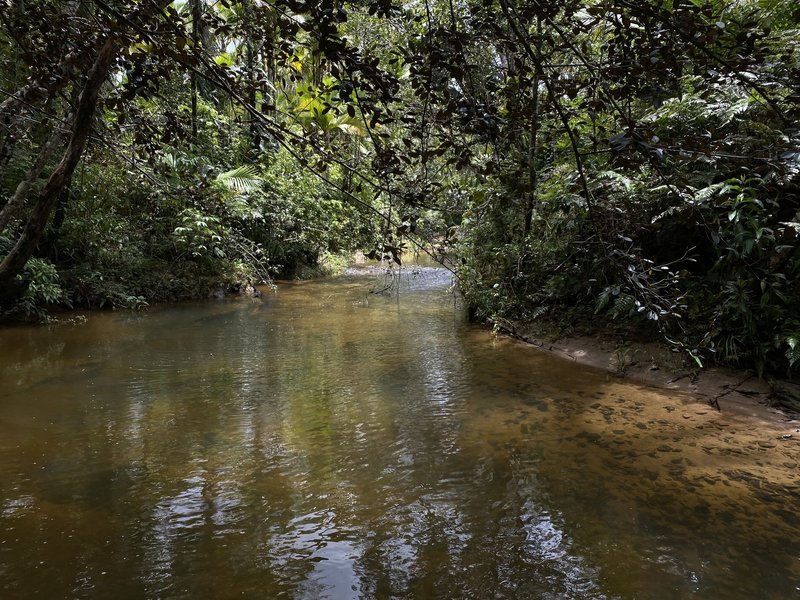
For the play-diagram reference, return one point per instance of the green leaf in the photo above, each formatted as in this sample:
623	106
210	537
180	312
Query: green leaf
623	305
603	300
224	60
242	180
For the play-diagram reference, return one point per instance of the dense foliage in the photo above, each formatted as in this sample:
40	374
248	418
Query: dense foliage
630	161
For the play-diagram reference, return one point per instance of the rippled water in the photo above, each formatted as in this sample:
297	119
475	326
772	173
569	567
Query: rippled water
326	442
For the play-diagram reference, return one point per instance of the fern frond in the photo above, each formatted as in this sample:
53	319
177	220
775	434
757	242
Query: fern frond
619	178
170	160
603	300
705	194
728	111
623	305
793	350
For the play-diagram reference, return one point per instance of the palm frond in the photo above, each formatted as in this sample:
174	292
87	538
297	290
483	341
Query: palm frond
241	180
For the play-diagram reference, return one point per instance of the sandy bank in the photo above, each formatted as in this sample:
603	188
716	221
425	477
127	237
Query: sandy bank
728	391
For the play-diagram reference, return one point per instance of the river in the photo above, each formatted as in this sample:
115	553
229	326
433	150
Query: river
327	442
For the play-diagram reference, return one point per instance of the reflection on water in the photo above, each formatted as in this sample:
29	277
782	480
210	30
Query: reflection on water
325	442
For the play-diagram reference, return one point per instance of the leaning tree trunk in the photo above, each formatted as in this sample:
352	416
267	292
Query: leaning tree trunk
13	264
14	205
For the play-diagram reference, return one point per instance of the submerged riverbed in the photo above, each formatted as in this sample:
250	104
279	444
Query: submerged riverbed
327	442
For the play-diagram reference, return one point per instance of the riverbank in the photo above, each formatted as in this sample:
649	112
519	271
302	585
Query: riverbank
652	364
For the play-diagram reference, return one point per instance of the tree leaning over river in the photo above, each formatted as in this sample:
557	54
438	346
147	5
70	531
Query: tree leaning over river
78	123
633	162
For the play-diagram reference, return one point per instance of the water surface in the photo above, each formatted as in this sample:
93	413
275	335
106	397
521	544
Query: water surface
326	442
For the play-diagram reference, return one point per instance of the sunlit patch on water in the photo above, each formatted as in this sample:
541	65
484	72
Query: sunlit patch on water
17	507
327	441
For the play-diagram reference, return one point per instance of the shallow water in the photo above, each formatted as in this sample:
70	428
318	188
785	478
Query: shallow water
325	442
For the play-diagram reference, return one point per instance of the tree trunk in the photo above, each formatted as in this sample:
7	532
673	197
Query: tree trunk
196	16
7	142
533	147
252	90
15	203
16	259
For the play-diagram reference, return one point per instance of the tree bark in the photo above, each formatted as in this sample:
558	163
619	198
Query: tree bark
250	59
15	203
196	16
13	264
533	148
536	57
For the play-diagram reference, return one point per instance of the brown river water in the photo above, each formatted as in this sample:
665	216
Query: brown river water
326	442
